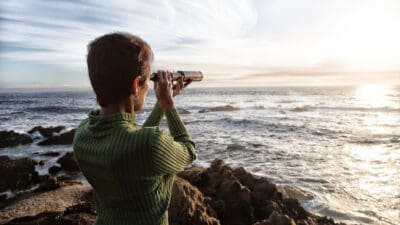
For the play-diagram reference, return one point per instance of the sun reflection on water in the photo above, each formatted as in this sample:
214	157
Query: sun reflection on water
374	95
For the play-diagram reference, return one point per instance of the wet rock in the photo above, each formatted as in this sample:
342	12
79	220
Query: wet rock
233	147
257	145
277	219
229	198
54	170
64	178
226	108
239	197
63	139
53	154
65	205
299	109
48	183
293	192
10	139
17	174
41	162
395	140
183	111
46	131
196	175
259	107
188	206
68	162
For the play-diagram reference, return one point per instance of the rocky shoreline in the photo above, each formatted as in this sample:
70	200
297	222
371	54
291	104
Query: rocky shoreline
215	195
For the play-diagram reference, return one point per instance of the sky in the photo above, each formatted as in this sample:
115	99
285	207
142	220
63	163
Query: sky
233	42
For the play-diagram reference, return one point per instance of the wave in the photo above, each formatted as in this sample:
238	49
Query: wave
364	109
275	127
16	101
58	109
376	140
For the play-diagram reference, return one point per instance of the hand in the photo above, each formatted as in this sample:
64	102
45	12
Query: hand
180	86
163	90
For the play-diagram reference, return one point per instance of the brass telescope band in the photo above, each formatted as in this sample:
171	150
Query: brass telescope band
187	76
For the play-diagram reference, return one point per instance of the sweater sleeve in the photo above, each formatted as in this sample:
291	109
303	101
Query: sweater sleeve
172	153
155	117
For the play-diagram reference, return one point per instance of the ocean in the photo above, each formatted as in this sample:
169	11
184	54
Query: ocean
337	146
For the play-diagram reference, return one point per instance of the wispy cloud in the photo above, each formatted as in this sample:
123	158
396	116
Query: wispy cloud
232	37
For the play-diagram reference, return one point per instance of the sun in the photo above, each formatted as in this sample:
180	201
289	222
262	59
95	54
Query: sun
373	95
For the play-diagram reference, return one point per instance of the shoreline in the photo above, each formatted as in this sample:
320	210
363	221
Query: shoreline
217	194
214	195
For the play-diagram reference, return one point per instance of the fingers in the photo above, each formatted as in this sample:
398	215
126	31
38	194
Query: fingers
187	83
177	87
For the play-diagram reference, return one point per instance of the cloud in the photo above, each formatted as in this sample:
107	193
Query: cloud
221	38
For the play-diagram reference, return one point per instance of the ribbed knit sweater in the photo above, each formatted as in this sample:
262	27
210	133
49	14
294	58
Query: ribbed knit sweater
132	168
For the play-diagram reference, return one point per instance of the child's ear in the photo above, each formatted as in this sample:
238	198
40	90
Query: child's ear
135	84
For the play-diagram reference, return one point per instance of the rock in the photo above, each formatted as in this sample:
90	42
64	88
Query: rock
239	197
229	198
299	109
183	111
65	205
255	145
10	139
54	154
277	219
226	108
196	175
294	192
54	170
17	174
233	147
48	183
188	206
41	162
282	112
46	131
63	139
395	140
210	196
258	107
68	162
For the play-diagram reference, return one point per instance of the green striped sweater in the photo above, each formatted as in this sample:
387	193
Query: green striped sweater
132	168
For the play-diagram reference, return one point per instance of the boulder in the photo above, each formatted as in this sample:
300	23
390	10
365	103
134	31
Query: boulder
54	170
68	163
66	205
188	206
183	111
229	198
63	139
234	147
239	197
276	219
53	154
10	139
46	131
226	108
48	183
258	107
17	174
299	109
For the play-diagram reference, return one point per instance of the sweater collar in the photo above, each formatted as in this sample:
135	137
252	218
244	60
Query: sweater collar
96	118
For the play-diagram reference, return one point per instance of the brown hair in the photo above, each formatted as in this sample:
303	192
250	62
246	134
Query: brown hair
114	60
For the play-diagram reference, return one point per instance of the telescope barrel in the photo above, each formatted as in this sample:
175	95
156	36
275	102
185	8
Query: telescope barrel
187	75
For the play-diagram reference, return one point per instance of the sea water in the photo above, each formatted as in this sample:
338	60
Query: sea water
339	145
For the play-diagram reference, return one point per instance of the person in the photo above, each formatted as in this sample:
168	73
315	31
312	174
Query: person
130	167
